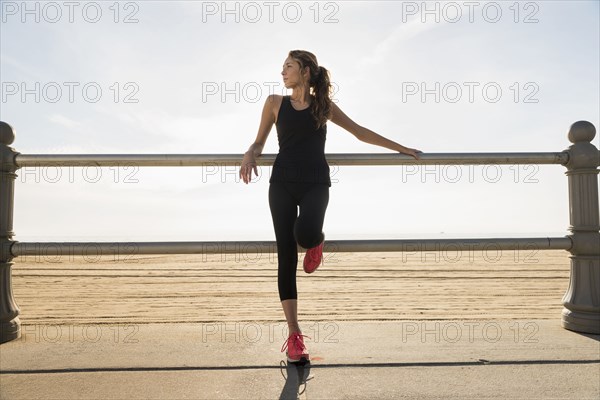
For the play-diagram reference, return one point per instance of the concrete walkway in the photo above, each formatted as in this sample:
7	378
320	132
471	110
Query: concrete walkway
466	359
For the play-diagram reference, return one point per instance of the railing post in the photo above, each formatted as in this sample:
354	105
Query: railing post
10	326
581	302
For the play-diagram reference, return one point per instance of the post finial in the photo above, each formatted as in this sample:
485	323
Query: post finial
7	133
582	131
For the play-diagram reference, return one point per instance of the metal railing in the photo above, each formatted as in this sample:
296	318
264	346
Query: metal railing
581	302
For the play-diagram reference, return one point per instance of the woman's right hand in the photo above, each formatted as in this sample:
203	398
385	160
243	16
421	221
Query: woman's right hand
248	164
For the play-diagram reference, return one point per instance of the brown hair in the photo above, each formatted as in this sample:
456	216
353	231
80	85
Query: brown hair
320	83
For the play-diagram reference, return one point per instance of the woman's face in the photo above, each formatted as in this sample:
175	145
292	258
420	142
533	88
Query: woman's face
291	73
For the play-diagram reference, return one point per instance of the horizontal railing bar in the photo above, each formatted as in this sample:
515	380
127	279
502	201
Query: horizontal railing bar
190	160
92	249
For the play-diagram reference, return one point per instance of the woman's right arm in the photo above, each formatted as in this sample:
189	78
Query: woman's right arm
255	150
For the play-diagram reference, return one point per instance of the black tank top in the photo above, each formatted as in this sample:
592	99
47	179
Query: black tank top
301	156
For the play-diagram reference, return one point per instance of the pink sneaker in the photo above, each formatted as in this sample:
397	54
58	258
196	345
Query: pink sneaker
296	351
313	258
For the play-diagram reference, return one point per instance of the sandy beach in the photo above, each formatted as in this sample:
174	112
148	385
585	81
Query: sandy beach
388	325
348	287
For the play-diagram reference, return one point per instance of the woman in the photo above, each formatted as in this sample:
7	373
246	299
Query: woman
300	175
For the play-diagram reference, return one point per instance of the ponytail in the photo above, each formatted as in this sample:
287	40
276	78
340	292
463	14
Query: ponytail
322	91
319	82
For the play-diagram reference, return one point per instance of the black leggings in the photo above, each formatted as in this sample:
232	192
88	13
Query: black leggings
305	229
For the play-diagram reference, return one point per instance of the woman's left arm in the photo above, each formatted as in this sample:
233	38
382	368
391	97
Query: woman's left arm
366	135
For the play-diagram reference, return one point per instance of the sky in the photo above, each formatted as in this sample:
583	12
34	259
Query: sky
158	77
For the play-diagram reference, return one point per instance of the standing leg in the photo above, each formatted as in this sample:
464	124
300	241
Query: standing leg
284	212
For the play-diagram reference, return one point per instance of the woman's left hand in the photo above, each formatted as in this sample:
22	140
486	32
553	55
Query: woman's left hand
411	152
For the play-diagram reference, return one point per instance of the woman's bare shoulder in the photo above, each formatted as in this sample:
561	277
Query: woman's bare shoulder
276	97
276	100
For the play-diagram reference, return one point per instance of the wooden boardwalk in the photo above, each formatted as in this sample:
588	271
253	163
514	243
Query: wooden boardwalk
349	286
